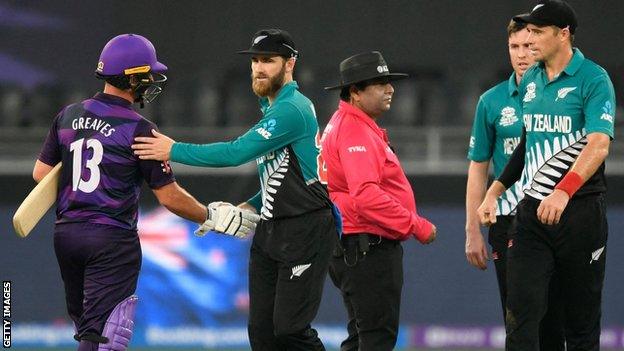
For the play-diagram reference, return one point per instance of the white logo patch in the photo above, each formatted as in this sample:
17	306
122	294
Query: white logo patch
596	255
259	39
297	271
563	92
508	117
265	133
530	92
607	117
472	141
382	69
357	148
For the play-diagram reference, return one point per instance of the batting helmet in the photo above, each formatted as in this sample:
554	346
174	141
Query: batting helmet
128	61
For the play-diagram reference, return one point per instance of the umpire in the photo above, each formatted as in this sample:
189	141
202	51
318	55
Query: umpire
367	183
568	107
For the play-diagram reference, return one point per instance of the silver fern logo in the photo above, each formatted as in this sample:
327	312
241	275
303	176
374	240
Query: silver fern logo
272	177
297	271
546	164
563	92
596	255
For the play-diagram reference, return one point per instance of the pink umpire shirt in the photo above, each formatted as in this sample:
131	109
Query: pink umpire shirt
365	178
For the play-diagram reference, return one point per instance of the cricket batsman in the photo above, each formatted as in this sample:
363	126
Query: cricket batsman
95	236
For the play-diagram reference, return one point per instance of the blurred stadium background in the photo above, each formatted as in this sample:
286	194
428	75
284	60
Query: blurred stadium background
194	291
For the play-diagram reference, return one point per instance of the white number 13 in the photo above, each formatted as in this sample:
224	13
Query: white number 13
78	183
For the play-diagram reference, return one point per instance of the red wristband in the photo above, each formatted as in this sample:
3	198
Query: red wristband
570	183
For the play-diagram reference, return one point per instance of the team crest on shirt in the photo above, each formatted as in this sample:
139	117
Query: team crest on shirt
563	92
508	117
530	92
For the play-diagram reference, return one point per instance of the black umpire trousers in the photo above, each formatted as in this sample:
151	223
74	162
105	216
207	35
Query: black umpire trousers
287	270
370	284
576	249
551	329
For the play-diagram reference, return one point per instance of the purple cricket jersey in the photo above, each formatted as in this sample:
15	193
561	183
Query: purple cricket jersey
101	177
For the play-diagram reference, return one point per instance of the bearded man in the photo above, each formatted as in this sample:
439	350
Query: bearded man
291	249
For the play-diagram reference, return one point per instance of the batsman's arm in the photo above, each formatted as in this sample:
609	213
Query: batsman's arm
254	204
180	202
40	170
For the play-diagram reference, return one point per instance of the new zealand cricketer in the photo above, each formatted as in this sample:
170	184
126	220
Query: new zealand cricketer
568	107
293	241
496	131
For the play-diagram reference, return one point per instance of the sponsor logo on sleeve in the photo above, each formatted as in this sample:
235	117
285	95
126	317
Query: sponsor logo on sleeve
266	128
607	110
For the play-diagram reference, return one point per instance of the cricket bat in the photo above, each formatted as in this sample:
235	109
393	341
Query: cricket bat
37	203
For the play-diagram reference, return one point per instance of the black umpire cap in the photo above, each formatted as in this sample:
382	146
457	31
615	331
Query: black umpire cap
272	42
551	13
362	67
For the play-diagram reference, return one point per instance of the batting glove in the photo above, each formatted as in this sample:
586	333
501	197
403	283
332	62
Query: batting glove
236	221
210	222
229	219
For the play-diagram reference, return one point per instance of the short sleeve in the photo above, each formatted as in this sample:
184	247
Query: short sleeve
599	106
155	173
51	151
482	136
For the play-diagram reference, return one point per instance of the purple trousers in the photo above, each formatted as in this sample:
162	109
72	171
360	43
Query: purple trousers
100	267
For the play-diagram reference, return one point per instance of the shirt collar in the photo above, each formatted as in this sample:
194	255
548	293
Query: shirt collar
575	63
112	99
362	116
573	66
512	86
284	90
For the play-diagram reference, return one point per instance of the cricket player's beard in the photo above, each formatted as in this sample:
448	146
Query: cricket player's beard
270	88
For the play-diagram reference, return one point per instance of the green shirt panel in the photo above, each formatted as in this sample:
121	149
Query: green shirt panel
496	131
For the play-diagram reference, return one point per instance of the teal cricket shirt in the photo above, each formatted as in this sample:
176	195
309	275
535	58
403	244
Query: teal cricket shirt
496	132
284	144
557	117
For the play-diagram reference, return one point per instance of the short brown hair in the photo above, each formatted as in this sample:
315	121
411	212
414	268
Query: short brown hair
515	26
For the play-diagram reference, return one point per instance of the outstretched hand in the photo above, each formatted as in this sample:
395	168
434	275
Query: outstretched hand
157	148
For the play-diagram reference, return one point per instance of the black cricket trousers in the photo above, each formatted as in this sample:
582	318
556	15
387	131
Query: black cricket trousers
551	330
371	290
287	270
576	249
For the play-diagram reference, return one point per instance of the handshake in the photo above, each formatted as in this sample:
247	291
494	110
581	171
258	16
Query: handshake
228	219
